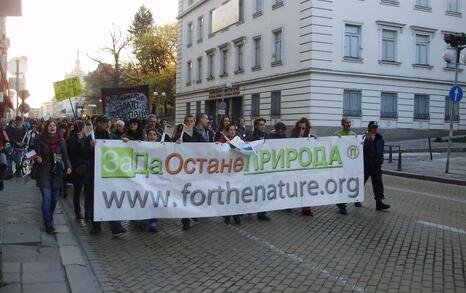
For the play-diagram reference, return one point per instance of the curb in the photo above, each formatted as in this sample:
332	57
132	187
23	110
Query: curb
424	177
434	150
79	274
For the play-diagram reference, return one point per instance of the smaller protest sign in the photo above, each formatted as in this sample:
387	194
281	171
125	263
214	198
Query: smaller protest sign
68	88
241	146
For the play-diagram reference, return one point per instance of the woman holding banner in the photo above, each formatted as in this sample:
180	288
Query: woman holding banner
52	161
302	128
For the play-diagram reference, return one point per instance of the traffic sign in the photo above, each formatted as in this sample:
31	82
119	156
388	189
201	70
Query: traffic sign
222	105
456	94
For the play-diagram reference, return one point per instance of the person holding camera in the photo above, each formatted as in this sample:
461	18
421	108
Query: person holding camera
51	163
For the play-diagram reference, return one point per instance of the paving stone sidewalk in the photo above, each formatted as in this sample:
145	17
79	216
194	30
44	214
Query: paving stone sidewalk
33	261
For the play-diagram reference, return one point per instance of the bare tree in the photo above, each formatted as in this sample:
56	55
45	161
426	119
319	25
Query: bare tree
118	44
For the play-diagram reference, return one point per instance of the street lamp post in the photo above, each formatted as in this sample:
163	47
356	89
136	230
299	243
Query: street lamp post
158	99
457	43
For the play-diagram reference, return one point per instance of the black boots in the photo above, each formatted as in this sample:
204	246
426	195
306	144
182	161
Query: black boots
379	205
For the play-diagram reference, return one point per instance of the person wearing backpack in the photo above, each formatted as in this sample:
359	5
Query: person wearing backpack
52	162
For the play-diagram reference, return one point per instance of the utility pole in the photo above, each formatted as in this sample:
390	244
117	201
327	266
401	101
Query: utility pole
458	43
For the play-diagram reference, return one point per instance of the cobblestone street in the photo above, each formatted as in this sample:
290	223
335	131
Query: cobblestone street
418	246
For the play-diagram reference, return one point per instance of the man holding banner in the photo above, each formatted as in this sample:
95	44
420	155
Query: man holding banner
101	132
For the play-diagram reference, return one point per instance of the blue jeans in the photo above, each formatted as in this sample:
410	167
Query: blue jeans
3	165
49	203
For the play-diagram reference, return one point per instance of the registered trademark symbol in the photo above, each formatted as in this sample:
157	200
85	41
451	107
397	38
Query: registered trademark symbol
353	152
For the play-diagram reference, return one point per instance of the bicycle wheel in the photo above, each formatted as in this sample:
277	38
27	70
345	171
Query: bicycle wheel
26	166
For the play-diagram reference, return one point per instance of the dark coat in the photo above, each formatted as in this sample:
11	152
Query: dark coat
243	132
258	135
373	150
45	178
77	157
198	137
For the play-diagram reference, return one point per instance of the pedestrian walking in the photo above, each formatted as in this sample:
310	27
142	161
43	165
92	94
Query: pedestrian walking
279	131
4	144
102	131
345	131
259	133
373	160
152	136
51	163
302	128
31	135
79	165
119	129
16	132
134	130
229	133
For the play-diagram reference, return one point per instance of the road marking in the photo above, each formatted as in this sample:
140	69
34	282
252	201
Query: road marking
427	194
295	258
442	227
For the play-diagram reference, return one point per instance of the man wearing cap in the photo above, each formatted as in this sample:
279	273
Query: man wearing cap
102	131
345	131
373	160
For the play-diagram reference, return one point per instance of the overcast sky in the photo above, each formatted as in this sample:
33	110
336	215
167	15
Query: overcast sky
50	33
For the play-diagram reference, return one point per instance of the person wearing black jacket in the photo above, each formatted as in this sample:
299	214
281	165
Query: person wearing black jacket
102	131
80	165
200	134
373	160
259	133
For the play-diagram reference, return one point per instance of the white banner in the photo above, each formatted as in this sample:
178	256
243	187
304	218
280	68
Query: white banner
143	180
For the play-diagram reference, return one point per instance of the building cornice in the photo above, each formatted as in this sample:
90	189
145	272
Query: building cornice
193	7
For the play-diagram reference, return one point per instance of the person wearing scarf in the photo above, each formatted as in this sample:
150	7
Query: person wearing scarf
51	150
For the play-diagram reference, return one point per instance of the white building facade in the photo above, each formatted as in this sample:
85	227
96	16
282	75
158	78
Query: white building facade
283	60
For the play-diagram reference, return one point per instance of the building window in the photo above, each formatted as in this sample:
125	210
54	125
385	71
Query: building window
257	54
388	105
277	47
210	22
421	107
210	66
258	7
255	105
189	73
224	62
352	41
190	34
388	45
423	3
453	6
422	49
352	103
241	10
277	4
239	62
198	107
199	70
456	110
276	103
200	29
188	108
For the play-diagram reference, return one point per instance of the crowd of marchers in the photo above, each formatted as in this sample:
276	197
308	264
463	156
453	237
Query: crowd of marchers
62	154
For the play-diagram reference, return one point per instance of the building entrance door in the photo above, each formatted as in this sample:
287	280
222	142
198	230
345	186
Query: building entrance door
233	109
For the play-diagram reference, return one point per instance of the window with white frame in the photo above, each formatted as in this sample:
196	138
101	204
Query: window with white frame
422	49
239	57
276	103
200	28
453	6
241	10
352	103
388	105
258	4
257	54
198	107
199	70
456	110
277	47
210	65
352	41
423	3
189	72
255	105
421	107
189	35
188	108
210	21
389	44
224	62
